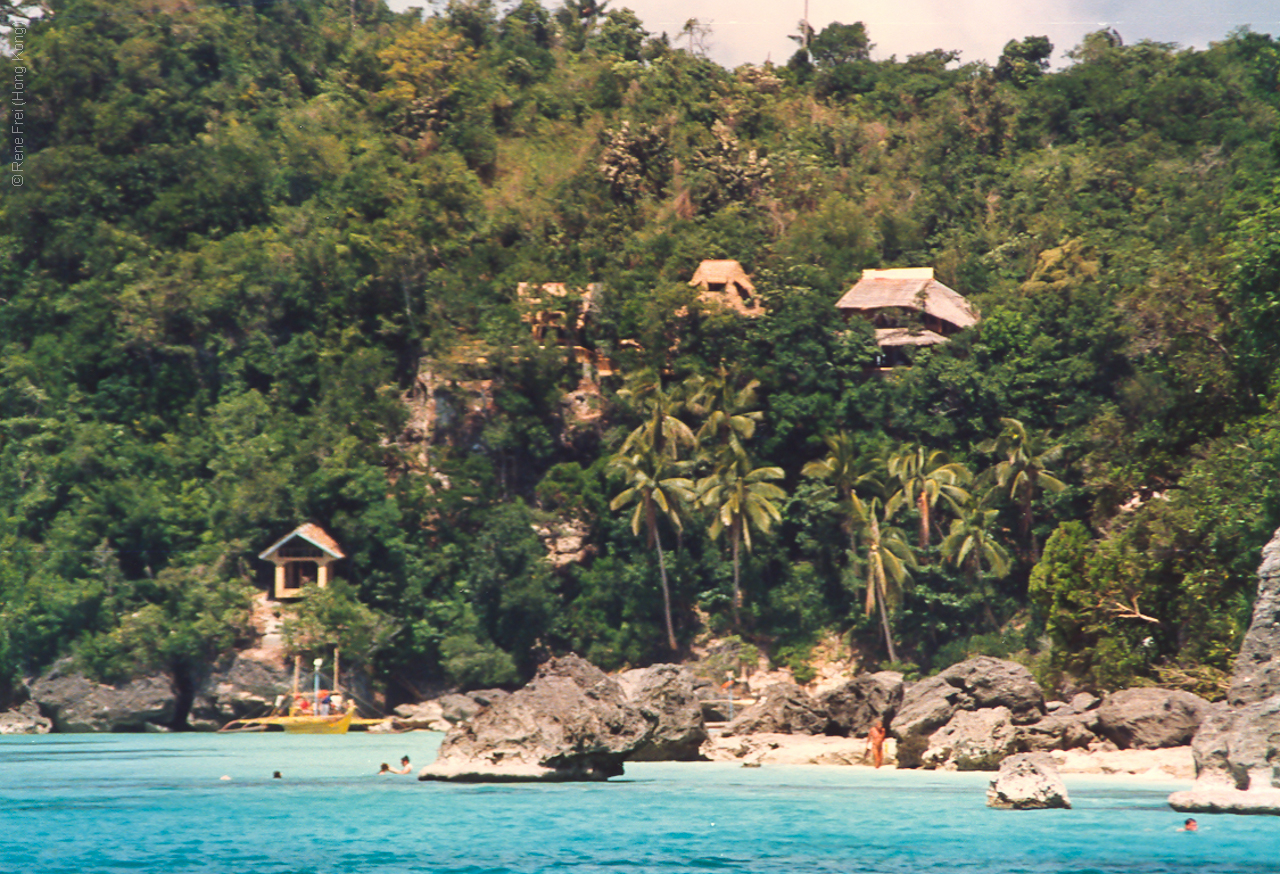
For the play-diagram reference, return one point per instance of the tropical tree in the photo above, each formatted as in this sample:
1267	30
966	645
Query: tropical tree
846	471
971	544
924	477
660	427
888	558
730	412
655	487
740	498
1023	472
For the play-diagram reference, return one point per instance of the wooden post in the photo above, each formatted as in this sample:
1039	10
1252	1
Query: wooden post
297	670
337	653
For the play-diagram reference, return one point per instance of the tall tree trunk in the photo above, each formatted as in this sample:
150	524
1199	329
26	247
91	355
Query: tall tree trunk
922	503
884	622
737	591
651	519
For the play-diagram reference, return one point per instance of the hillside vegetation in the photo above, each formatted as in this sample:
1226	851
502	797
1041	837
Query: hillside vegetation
261	268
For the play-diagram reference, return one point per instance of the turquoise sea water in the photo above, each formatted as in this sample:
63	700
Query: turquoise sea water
156	803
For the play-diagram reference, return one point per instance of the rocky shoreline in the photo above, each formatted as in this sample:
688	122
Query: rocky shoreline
574	722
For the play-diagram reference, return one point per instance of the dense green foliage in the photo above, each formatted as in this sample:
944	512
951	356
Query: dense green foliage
262	268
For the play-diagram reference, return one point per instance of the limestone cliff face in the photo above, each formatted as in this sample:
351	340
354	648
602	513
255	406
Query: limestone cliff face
1237	766
1257	671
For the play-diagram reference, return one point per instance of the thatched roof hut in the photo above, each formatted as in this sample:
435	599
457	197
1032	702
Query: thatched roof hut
725	282
883	295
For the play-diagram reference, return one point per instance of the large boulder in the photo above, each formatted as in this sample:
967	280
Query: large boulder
667	697
974	684
1150	719
1063	729
77	704
25	719
927	706
237	687
853	707
991	682
1237	757
1027	781
1257	670
784	708
974	740
571	722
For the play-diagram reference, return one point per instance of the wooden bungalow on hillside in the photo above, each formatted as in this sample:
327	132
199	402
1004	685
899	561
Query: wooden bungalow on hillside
726	283
908	307
302	556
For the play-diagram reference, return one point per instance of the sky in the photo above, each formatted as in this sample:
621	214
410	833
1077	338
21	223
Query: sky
753	31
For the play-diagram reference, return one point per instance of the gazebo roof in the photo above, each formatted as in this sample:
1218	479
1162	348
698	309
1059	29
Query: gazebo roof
721	273
727	273
313	534
911	288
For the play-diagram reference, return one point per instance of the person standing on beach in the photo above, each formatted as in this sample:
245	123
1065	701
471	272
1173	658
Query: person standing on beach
875	742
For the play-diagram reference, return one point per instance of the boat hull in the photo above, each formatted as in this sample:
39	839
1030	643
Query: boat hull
304	724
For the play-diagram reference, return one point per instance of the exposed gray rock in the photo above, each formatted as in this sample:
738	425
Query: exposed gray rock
784	708
1257	670
25	719
1237	756
1150	718
571	722
238	687
1237	748
1028	781
424	716
1063	729
927	706
852	708
461	706
77	704
665	694
991	682
970	685
1082	702
974	740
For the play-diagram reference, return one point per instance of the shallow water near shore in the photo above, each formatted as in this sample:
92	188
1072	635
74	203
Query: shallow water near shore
156	803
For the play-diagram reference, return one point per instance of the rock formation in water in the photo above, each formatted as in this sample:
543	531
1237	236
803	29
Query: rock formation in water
1236	751
1028	781
77	704
25	719
570	722
666	696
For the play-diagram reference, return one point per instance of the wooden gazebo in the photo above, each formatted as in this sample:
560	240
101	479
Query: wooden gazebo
302	556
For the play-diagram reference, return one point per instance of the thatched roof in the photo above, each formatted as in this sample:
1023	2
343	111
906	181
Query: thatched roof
310	532
727	283
912	288
907	337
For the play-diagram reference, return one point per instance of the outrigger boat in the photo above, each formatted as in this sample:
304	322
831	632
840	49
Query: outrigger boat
306	715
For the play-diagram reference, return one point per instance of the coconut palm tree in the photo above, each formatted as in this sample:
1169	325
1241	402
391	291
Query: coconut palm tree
660	426
740	498
730	412
846	471
971	544
888	558
656	488
924	477
1023	473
